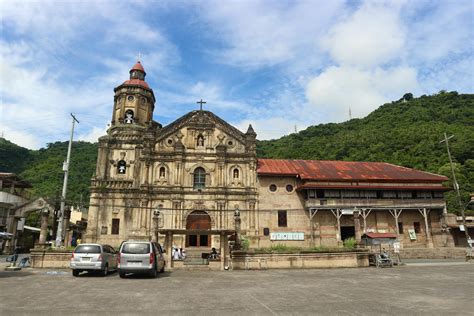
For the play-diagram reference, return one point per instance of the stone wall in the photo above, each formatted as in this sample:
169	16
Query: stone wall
433	253
50	259
252	261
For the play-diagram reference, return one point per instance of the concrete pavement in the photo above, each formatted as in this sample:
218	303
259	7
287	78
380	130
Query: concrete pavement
402	290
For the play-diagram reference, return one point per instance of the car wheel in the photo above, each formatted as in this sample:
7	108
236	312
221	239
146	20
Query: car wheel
122	274
105	271
153	272
75	273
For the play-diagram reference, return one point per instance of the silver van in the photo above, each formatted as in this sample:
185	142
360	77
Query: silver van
140	257
93	258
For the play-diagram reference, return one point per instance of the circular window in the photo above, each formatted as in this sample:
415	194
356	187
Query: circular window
289	188
272	187
170	141
230	143
130	98
142	100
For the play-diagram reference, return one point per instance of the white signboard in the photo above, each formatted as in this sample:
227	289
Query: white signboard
20	224
287	236
396	247
412	234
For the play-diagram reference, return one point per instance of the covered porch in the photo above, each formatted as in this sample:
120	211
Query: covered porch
224	242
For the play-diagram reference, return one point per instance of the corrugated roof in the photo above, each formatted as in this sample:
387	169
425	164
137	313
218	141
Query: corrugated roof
324	170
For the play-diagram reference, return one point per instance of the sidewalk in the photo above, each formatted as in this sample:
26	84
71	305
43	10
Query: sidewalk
436	262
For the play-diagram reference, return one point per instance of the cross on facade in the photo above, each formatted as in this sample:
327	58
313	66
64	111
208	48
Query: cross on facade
201	103
139	56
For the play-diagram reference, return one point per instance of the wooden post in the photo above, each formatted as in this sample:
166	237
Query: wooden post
429	240
312	214
365	213
396	214
338	214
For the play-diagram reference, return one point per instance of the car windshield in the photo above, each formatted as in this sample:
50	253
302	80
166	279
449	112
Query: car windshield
140	248
87	249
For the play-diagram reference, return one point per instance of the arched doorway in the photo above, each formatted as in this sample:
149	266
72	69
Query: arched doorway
198	220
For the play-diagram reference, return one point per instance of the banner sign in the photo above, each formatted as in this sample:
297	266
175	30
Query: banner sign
287	236
412	234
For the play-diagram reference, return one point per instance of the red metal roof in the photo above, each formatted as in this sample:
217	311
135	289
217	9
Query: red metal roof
381	235
373	186
137	82
138	66
343	171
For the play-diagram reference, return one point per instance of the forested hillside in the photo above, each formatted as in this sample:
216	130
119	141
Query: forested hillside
43	168
405	132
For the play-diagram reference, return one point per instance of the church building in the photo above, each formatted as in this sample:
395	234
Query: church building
197	182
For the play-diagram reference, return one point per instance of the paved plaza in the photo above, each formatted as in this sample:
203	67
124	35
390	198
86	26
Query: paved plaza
405	290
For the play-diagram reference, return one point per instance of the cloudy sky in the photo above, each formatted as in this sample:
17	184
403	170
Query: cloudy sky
275	64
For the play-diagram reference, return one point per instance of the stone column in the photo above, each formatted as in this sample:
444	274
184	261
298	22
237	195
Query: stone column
224	255
358	234
44	228
168	243
222	251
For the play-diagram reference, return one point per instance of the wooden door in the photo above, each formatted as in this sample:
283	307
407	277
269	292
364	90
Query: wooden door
198	220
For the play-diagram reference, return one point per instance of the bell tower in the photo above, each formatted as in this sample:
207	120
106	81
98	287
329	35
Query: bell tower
134	100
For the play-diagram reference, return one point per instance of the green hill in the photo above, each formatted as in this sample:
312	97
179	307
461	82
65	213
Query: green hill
405	132
43	168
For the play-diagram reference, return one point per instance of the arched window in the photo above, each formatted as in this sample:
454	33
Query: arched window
200	140
236	173
121	167
162	172
199	178
128	117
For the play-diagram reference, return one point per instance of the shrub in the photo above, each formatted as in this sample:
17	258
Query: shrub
245	243
350	242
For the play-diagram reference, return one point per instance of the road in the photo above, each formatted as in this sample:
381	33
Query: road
430	290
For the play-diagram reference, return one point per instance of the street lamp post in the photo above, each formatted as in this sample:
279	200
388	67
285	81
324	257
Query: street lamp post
237	220
156	220
456	185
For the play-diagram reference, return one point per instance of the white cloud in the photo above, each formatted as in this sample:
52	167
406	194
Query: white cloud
337	89
93	134
263	33
48	69
371	36
271	127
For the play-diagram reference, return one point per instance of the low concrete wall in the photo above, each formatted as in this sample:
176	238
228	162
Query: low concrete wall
179	265
433	253
252	261
50	259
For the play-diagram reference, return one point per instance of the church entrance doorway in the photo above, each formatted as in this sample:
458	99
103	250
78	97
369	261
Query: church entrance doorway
198	220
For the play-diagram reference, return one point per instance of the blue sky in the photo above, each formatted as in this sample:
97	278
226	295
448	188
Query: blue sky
275	64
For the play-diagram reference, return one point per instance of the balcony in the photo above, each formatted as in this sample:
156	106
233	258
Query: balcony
351	203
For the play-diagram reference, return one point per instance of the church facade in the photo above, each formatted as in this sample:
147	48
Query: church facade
192	178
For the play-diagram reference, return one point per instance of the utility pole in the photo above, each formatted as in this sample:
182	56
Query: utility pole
59	234
455	184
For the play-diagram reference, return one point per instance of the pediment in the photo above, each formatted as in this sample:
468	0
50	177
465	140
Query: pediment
200	120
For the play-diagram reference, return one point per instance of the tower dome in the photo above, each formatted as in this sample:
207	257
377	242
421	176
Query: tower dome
134	99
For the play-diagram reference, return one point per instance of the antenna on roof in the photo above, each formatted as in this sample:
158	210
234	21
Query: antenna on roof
350	114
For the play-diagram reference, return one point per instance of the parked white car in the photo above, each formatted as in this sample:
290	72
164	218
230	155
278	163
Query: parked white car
93	258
